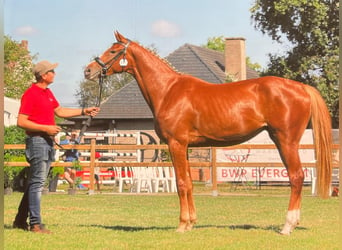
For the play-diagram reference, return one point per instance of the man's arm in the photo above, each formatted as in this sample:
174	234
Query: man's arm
70	112
25	123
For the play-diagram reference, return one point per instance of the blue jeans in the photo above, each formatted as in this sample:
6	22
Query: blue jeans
39	153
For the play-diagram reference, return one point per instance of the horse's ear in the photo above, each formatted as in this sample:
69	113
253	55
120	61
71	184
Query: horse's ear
116	34
119	37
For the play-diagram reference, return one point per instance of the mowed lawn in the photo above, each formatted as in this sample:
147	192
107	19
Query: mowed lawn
233	220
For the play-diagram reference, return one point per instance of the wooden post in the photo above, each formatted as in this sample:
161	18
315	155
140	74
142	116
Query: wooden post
92	166
214	171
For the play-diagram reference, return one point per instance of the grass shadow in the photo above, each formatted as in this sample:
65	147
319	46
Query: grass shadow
7	226
130	228
275	228
241	227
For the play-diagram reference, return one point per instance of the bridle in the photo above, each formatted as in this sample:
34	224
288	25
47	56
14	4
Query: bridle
102	75
104	68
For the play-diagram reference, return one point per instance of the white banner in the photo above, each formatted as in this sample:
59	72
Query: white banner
257	174
261	155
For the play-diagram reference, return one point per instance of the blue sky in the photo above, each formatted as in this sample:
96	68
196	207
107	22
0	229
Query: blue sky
72	32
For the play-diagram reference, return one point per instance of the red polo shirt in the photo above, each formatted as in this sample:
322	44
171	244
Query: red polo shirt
39	104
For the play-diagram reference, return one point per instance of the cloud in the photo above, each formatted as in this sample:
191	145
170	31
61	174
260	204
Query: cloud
25	30
163	28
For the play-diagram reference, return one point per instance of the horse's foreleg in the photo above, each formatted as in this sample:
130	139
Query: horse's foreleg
296	176
191	203
184	186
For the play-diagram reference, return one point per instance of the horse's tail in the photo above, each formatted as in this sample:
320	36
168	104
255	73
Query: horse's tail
321	125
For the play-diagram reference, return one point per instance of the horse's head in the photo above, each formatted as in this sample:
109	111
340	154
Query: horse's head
113	60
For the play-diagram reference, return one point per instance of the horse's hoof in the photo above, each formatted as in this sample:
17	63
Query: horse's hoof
283	232
287	229
189	226
181	228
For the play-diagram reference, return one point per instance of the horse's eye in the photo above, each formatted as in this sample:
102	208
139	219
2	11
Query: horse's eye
112	51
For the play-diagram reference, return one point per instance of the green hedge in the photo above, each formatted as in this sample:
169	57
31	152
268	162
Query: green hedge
13	135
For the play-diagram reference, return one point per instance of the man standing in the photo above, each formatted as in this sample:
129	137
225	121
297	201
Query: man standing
37	116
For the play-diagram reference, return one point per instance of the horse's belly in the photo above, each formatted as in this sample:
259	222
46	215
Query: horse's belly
229	136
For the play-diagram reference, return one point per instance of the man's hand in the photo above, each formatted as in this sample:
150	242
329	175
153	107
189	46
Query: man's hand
92	111
52	130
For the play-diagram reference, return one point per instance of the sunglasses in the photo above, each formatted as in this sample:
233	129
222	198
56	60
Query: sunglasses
52	71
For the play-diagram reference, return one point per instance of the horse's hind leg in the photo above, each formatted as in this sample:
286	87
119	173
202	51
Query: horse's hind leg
288	143
290	157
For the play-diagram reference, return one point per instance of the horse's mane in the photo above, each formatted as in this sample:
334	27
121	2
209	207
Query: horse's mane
154	53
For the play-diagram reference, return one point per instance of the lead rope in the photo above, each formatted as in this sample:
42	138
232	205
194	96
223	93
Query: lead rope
104	68
87	123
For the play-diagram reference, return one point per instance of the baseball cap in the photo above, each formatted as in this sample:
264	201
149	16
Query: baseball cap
42	67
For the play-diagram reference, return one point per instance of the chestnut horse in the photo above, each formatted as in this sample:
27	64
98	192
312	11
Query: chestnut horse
191	112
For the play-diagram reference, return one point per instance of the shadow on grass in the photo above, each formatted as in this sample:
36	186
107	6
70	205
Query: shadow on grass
130	228
275	228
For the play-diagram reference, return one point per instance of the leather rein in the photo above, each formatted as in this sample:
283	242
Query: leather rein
102	75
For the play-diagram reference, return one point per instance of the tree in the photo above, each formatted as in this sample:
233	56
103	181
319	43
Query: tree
311	28
218	43
215	43
17	68
14	135
89	91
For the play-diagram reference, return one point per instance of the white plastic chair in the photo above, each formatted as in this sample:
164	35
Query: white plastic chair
142	180
124	175
170	175
159	180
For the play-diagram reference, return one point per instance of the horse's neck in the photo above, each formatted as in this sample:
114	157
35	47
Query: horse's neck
154	77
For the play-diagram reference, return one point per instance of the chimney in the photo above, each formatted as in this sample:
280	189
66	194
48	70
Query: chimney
235	58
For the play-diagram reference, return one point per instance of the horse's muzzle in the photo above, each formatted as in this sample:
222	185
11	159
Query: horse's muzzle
87	73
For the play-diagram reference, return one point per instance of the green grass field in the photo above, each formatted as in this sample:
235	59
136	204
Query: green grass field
236	219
